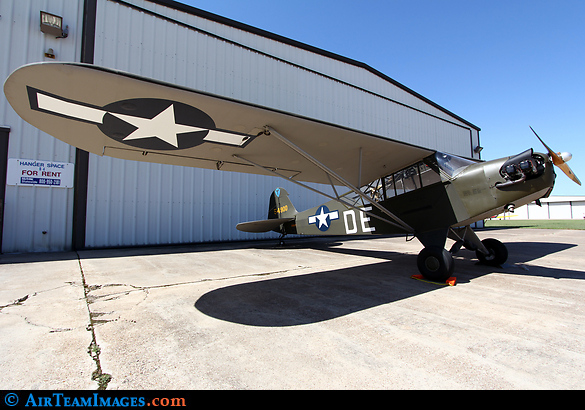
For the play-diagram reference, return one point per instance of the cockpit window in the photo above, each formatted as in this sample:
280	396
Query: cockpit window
407	180
419	175
428	173
451	164
431	170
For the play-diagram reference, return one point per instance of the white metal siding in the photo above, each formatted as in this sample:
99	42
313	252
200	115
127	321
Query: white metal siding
30	211
559	210
559	207
538	212
578	210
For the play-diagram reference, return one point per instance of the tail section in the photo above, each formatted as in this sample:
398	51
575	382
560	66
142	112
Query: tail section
331	218
280	205
281	216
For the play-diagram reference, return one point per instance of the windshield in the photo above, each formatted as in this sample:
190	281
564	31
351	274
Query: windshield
451	164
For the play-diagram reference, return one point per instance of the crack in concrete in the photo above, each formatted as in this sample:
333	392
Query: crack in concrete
20	302
116	295
17	302
93	349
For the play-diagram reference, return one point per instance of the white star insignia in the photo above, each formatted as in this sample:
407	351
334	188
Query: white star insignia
322	218
163	126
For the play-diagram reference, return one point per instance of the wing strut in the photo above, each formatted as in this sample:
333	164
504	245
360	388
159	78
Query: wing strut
338	199
330	173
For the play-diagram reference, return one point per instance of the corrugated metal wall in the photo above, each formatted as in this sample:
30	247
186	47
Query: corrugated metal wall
137	203
132	203
551	208
30	211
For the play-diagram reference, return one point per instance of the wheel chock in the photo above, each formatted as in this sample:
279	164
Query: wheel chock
449	282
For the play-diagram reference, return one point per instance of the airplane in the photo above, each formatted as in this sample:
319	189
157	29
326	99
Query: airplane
391	186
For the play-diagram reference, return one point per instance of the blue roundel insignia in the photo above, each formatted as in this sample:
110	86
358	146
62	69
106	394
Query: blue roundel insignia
323	218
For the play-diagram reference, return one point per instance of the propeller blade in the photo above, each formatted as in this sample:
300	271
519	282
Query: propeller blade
558	161
555	158
565	168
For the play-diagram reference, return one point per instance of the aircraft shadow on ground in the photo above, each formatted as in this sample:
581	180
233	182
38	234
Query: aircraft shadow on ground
520	253
310	298
321	296
526	252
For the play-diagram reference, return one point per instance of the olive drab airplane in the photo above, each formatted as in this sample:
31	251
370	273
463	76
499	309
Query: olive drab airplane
391	186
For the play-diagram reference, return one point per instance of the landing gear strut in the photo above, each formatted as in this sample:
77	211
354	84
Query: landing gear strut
489	251
436	263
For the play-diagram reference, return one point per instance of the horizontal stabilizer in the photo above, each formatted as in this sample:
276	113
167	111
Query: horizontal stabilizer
266	225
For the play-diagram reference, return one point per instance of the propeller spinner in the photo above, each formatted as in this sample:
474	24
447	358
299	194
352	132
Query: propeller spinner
560	160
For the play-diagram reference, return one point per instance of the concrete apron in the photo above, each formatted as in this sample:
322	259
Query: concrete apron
327	313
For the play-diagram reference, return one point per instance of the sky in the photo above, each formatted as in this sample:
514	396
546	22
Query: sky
501	65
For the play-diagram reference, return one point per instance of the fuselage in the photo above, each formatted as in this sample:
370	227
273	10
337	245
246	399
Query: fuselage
439	192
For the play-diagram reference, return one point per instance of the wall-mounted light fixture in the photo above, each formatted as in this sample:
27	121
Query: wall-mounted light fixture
53	25
50	53
477	149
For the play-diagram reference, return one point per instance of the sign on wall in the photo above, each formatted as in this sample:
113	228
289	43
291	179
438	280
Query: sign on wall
30	172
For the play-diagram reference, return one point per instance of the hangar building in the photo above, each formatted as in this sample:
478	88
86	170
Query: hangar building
107	202
554	207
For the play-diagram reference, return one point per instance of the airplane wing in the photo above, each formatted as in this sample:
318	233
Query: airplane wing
108	112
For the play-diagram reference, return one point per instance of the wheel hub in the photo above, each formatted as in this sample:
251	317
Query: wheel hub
432	263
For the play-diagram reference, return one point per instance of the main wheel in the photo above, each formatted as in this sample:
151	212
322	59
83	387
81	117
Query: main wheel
498	253
435	264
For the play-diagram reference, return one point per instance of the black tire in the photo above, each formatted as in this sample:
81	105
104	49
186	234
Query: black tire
435	264
498	253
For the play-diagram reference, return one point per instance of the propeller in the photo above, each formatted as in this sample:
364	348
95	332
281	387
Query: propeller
560	160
